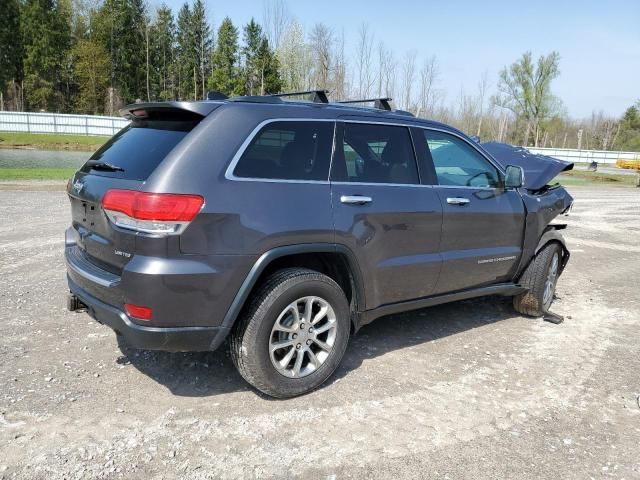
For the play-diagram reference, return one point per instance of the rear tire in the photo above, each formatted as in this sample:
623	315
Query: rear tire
293	334
540	278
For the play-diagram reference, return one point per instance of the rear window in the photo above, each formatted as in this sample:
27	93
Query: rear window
140	147
375	153
293	150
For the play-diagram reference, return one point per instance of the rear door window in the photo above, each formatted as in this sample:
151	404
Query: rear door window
139	148
289	150
372	153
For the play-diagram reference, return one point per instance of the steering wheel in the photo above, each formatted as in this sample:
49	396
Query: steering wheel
477	175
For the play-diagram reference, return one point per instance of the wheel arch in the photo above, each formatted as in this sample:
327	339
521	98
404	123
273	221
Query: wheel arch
551	234
316	256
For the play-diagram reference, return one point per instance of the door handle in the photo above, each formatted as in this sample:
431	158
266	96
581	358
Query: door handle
457	201
355	199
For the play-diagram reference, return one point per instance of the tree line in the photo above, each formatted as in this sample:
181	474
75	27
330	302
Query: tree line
94	56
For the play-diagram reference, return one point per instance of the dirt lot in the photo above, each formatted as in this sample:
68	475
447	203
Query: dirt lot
465	390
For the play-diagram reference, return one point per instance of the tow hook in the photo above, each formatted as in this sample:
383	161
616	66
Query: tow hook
74	304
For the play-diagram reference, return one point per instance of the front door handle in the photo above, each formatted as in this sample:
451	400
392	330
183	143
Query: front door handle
355	199
457	201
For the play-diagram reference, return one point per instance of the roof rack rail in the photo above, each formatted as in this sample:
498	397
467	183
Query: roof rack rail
319	96
215	95
380	103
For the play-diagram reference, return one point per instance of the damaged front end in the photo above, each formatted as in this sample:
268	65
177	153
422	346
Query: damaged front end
544	250
543	201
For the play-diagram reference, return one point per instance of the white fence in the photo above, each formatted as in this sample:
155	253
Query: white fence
60	123
574	155
95	125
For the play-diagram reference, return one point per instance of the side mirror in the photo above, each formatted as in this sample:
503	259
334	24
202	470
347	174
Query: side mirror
514	177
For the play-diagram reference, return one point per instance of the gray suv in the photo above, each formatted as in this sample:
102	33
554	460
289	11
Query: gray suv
284	226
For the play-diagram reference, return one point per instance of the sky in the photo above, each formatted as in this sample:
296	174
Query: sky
598	41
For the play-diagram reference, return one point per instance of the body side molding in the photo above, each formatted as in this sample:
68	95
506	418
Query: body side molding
506	289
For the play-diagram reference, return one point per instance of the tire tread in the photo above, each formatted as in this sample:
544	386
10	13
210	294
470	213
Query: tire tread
249	322
533	279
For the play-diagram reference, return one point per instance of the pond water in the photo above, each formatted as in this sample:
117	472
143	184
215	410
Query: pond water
22	158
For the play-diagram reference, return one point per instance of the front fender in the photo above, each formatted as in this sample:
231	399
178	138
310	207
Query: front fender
552	234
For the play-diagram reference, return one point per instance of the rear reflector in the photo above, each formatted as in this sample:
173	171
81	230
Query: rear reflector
167	213
137	311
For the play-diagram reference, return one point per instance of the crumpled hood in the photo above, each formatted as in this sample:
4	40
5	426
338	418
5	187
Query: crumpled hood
539	170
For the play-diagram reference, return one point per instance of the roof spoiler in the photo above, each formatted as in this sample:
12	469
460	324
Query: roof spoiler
142	109
215	95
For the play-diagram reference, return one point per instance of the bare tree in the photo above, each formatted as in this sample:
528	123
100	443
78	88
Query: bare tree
340	87
386	71
408	77
275	18
321	43
428	77
466	113
482	93
366	78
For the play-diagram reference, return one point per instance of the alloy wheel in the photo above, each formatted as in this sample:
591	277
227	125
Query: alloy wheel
302	337
550	282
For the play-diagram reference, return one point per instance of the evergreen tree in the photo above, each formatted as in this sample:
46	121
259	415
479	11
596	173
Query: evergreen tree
269	69
629	135
163	56
251	51
10	39
46	34
185	53
202	45
226	77
260	70
121	28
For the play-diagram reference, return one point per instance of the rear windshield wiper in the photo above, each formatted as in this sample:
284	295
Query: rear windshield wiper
109	167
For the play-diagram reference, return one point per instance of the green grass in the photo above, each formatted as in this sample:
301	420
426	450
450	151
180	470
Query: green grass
51	142
581	177
8	174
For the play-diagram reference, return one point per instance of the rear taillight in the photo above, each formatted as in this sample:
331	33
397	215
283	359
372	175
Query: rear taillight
166	213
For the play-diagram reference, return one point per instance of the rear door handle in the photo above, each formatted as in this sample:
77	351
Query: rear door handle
355	199
457	201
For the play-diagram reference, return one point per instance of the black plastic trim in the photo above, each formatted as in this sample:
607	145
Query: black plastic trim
507	289
171	339
552	234
278	252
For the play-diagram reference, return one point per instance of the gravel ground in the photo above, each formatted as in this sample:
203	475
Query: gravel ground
465	390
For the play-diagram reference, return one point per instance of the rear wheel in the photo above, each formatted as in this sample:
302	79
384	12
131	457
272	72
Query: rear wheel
540	277
293	334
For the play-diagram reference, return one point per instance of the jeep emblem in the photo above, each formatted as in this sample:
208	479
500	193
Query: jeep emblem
78	186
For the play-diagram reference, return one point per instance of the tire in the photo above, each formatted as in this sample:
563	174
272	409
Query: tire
540	281
270	320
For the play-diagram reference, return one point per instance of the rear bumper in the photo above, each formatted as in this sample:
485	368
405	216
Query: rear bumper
172	339
187	293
